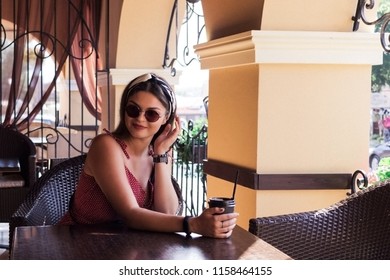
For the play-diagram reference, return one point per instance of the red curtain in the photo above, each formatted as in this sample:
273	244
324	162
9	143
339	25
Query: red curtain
85	60
63	29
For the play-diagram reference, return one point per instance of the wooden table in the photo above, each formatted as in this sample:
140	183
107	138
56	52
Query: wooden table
115	243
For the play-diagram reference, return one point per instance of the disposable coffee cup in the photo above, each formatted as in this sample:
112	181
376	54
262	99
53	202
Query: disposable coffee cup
223	202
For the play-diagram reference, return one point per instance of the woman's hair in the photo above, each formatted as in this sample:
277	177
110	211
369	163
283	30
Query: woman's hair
154	84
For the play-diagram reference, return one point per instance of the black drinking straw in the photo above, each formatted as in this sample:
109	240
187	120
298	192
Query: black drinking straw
235	184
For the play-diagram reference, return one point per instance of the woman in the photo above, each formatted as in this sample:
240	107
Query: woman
127	173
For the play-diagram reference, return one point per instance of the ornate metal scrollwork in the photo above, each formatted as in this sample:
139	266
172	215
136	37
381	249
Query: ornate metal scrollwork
52	136
46	50
359	181
191	13
361	8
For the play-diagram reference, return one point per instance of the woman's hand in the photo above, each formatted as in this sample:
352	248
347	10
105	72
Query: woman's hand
168	137
212	225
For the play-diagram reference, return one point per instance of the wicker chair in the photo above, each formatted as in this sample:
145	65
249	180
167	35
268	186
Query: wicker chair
49	199
14	186
357	227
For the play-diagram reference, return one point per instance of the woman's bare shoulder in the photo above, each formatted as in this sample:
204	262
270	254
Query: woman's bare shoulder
104	144
104	148
103	139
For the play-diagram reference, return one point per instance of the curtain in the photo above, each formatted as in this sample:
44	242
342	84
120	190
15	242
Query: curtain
85	61
60	30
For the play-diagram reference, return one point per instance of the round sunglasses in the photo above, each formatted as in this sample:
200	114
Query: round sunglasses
133	111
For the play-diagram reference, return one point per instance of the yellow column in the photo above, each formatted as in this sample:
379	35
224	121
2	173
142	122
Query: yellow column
286	102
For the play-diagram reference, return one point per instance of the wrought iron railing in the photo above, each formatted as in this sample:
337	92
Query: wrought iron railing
189	152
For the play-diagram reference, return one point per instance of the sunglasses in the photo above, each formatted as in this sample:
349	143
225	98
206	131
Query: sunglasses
133	111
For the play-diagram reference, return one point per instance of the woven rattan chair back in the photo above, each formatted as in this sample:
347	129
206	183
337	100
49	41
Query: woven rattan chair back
49	198
357	227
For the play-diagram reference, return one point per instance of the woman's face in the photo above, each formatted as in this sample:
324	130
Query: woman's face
148	114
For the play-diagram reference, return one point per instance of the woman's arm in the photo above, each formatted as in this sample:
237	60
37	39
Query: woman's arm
165	197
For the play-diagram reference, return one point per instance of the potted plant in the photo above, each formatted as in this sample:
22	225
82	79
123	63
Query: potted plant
191	145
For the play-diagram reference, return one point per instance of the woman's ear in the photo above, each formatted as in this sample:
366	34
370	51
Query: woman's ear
166	117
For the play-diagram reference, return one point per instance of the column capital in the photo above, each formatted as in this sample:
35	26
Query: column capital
291	47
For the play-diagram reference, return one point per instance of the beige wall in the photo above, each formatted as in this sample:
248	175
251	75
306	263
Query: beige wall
234	17
310	15
320	118
232	119
142	33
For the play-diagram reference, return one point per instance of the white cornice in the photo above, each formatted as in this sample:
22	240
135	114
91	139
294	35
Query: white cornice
291	47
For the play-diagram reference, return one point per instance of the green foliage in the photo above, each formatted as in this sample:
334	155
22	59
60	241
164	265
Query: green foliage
383	171
380	76
191	139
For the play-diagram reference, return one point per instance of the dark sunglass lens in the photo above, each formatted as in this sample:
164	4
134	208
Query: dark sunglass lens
151	116
132	111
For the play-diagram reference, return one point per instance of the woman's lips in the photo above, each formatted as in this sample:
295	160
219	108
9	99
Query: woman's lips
138	126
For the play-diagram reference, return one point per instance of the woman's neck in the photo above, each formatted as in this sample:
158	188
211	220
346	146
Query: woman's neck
138	147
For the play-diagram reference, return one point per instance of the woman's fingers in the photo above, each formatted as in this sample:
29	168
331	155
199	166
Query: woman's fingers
223	224
212	222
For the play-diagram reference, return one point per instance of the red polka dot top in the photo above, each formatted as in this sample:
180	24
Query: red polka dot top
90	206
